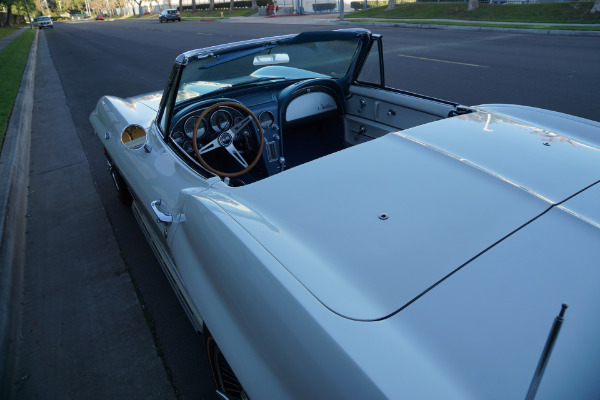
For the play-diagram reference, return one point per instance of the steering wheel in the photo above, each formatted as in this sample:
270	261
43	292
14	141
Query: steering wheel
227	138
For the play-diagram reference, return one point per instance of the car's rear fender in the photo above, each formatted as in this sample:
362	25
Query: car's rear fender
264	320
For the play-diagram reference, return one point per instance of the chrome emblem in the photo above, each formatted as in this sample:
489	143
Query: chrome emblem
225	139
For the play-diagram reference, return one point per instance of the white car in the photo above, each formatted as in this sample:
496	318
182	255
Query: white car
43	22
333	238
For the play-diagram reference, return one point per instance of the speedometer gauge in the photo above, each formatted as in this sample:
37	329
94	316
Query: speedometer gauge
189	127
220	120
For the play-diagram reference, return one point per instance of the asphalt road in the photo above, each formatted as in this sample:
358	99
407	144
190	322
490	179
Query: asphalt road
554	72
130	58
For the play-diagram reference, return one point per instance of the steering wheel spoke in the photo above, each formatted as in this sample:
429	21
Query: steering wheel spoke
214	144
240	125
237	155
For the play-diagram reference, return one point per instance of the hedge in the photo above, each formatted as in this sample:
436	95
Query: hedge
358	5
322	7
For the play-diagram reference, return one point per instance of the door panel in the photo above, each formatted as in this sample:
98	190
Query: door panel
379	111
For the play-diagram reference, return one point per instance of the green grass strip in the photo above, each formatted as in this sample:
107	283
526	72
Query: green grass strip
12	64
545	13
7	31
484	25
199	14
242	12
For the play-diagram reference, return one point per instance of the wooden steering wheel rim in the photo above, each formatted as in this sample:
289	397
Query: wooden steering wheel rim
195	139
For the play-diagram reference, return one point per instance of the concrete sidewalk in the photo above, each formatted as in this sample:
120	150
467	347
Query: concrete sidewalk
69	338
6	40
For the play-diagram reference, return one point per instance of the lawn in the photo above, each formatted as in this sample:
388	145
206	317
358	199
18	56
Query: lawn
7	31
199	14
568	12
240	12
12	64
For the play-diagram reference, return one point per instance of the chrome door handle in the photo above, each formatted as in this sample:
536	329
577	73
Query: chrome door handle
162	217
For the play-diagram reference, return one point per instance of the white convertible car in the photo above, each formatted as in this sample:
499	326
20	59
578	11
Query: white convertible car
333	238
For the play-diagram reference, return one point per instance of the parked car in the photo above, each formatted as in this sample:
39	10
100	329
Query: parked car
334	238
169	15
43	22
99	17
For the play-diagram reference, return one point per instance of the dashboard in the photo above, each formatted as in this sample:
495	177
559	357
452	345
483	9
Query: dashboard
278	108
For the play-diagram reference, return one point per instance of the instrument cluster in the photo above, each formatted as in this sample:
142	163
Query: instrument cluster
218	121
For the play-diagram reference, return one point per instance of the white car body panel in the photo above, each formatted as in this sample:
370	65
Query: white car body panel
487	194
509	297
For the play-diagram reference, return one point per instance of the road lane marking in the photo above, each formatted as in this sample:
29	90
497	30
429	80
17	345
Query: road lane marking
444	61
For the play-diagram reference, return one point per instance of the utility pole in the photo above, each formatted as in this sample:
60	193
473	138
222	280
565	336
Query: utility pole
28	16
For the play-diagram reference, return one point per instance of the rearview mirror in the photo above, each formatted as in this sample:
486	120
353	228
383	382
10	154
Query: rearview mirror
272	59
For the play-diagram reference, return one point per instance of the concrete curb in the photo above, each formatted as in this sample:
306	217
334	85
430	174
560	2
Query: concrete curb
14	173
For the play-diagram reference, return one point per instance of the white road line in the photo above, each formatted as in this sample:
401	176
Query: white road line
444	61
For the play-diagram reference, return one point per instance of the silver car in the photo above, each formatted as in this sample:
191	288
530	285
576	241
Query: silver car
335	238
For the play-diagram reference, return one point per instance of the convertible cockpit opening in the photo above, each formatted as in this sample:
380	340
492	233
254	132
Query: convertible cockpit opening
255	110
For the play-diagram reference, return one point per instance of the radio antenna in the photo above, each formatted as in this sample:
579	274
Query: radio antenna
539	372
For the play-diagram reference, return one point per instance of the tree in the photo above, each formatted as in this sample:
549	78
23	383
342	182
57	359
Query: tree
193	6
118	5
596	7
73	5
15	6
391	4
40	6
96	6
253	6
473	5
211	6
231	5
140	9
180	6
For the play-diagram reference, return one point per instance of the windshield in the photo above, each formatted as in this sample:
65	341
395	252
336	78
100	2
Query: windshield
43	18
288	60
